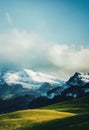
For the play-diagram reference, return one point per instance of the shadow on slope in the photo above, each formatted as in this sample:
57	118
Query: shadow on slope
78	122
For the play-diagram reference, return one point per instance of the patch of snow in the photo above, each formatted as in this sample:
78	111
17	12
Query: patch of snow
71	95
75	95
52	95
11	78
44	94
40	77
86	90
84	77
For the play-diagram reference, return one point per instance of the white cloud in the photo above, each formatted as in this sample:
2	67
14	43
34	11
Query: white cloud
8	17
69	58
22	47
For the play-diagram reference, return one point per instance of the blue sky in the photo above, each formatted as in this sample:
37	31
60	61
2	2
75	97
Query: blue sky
52	22
64	21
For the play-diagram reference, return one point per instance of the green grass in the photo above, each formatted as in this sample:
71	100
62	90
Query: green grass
78	122
70	115
29	117
78	106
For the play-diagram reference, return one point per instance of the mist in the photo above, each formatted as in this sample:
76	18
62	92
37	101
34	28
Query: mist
20	49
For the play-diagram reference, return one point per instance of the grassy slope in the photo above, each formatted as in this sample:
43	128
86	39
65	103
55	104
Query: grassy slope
80	105
70	115
29	117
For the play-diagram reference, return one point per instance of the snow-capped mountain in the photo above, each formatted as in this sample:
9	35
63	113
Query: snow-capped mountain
79	79
29	79
23	89
77	84
18	83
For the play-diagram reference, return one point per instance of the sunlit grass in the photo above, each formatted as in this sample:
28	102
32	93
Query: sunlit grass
29	117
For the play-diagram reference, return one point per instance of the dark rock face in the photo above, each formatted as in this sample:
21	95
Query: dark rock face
78	79
76	91
78	85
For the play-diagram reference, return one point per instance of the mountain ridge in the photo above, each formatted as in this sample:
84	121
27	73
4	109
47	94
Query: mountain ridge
23	88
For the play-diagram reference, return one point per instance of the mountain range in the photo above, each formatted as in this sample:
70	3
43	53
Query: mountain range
23	89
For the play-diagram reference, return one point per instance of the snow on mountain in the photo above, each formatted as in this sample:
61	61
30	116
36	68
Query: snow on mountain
29	79
84	77
78	83
15	83
39	84
21	87
40	77
79	79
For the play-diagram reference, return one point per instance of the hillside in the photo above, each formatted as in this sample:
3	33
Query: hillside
77	106
68	115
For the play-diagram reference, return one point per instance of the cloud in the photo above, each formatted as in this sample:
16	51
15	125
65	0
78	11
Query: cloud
23	48
8	17
30	50
69	59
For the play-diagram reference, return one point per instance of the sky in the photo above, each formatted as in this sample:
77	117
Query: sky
51	36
